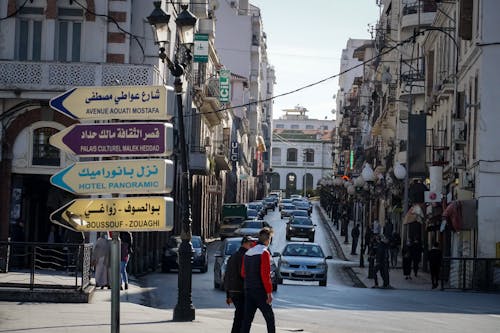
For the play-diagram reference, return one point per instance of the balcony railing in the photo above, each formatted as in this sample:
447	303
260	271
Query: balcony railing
55	76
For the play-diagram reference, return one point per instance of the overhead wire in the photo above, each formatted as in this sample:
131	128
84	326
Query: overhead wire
15	12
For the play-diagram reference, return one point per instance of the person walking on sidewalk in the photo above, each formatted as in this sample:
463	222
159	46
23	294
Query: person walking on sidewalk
416	255
355	237
435	258
126	251
256	272
394	245
406	253
100	261
233	283
381	262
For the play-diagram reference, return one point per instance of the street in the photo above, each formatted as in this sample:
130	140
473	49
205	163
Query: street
338	307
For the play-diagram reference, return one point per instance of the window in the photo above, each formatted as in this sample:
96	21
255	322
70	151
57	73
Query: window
43	153
280	125
309	126
294	126
69	34
29	41
291	155
276	153
308	155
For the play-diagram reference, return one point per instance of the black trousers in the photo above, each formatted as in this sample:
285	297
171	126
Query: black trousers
354	245
239	310
256	299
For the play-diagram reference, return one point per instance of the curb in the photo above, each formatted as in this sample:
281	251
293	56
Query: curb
338	249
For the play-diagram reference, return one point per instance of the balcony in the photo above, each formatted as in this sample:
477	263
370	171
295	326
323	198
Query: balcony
56	77
206	99
418	13
221	157
199	164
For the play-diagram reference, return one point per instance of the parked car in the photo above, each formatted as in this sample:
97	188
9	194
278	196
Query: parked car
170	258
300	226
303	262
252	214
287	210
226	248
251	228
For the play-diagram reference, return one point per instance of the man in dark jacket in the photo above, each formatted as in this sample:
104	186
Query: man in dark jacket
435	258
233	283
256	271
355	237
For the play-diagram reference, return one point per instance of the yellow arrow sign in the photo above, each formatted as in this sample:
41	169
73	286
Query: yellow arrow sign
117	214
114	102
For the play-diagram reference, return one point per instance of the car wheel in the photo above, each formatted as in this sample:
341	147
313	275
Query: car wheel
322	283
279	281
275	287
165	269
204	269
216	285
311	239
288	237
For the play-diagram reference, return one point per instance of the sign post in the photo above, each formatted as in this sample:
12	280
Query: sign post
133	176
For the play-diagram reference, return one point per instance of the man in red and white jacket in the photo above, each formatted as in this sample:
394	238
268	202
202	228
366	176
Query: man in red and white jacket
256	271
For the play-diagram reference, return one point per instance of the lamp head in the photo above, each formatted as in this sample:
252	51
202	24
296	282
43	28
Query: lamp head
158	20
367	173
186	23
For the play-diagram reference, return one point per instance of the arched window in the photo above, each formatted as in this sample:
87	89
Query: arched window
42	152
275	181
308	181
276	155
308	156
291	156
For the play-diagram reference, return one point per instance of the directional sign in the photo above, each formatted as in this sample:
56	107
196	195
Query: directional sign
116	139
114	102
125	176
117	214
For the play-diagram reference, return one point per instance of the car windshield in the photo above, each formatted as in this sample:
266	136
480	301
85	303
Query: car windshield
303	250
233	220
301	221
253	225
232	246
289	207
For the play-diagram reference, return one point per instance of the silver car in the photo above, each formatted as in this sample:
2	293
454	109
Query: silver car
303	262
226	248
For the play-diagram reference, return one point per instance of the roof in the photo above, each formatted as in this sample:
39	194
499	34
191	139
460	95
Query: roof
326	135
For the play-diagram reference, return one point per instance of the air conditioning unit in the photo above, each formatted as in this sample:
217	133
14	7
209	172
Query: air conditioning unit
208	141
465	180
459	158
459	130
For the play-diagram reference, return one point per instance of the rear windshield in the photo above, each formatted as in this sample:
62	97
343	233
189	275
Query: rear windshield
232	220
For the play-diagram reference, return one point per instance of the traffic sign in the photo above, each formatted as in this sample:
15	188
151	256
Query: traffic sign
115	176
114	102
117	214
116	139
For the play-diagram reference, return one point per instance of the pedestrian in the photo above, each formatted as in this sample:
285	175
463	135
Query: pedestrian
256	272
394	245
126	251
234	284
100	261
355	237
406	253
381	262
368	240
416	255
435	258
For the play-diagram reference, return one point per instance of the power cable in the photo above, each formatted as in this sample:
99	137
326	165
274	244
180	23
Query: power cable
15	12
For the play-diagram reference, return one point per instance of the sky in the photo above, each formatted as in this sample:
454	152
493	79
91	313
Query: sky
304	45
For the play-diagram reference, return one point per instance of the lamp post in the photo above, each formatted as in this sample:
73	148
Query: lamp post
368	176
186	22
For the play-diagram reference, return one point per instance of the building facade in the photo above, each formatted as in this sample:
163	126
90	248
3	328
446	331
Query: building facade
302	152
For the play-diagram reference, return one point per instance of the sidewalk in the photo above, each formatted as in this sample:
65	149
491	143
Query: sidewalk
397	280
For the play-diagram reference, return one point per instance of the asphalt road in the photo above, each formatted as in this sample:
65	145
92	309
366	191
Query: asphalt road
338	307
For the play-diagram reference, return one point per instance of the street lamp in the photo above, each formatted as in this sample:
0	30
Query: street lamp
186	22
368	176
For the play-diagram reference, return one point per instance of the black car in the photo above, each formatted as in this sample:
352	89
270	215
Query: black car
300	226
170	259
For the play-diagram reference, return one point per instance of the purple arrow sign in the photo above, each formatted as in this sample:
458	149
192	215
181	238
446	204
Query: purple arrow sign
116	139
